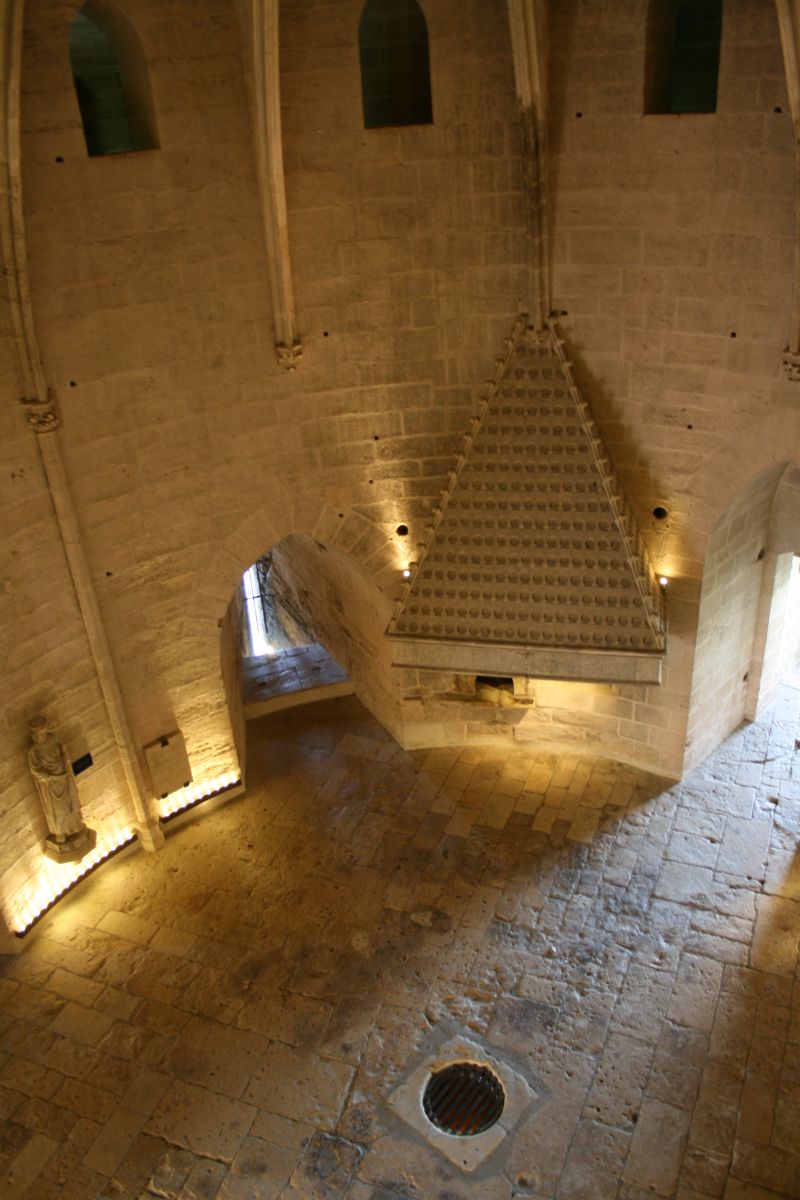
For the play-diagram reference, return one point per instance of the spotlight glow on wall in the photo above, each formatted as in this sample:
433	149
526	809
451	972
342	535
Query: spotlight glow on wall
178	802
53	880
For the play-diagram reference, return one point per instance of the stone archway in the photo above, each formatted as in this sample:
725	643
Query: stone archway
209	625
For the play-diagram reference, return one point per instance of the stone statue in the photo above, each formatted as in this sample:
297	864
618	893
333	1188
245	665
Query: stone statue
68	839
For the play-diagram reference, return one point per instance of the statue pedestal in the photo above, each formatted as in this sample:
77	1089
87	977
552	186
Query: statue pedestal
73	848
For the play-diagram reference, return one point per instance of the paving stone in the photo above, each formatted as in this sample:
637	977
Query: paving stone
622	1071
114	1141
657	1148
594	1163
201	1121
300	1085
203	1181
694	996
744	847
259	1169
325	1169
656	1004
215	1055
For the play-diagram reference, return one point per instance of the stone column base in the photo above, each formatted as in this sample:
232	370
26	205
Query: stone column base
151	836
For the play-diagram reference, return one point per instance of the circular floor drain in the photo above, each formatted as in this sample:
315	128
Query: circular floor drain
464	1099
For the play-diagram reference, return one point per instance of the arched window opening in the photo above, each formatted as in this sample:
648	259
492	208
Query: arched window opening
395	67
111	81
683	46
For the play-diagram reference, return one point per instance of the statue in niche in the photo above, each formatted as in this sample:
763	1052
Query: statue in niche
68	839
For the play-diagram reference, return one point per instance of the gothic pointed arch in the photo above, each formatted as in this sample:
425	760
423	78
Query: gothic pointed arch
112	81
395	64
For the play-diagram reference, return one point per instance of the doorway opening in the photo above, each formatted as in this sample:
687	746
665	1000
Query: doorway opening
282	663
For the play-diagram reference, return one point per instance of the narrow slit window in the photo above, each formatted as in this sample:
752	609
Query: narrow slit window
683	56
111	82
395	64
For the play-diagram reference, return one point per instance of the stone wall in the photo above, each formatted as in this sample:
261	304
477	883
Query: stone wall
231	642
729	607
190	450
45	658
672	273
777	644
150	294
341	608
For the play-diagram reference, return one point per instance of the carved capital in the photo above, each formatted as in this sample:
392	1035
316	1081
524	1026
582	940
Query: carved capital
289	356
41	415
791	367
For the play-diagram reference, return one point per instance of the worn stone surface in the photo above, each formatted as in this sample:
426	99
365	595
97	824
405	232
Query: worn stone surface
280	991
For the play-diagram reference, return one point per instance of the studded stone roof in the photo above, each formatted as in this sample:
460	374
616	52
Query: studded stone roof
533	561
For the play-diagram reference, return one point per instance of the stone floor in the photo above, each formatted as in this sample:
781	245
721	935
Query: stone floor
279	680
234	1016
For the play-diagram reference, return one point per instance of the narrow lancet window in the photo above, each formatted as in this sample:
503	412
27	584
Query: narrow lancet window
395	68
111	81
683	56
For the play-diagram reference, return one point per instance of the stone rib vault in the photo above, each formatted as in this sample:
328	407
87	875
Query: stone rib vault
533	565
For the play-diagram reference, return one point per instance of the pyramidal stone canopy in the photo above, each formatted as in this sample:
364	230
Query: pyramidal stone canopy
533	566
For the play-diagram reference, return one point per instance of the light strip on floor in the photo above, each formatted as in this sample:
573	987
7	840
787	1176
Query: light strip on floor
196	793
53	880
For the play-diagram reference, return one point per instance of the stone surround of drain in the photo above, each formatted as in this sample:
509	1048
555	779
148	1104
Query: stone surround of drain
230	1017
466	1153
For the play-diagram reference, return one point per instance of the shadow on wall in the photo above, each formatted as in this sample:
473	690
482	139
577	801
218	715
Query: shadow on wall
744	609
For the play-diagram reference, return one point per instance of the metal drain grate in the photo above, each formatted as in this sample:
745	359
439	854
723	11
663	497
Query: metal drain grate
464	1099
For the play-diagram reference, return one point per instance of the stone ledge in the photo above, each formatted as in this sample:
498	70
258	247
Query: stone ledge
490	658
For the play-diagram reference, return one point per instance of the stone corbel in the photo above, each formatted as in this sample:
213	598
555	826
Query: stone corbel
528	25
41	415
789	23
272	186
289	356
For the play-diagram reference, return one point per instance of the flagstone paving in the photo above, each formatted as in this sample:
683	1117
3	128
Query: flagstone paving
231	1017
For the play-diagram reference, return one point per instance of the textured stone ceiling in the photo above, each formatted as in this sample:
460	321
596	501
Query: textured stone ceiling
533	546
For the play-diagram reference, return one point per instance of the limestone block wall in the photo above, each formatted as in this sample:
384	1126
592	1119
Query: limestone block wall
232	674
673	245
341	608
729	607
45	660
672	259
150	291
616	720
190	450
